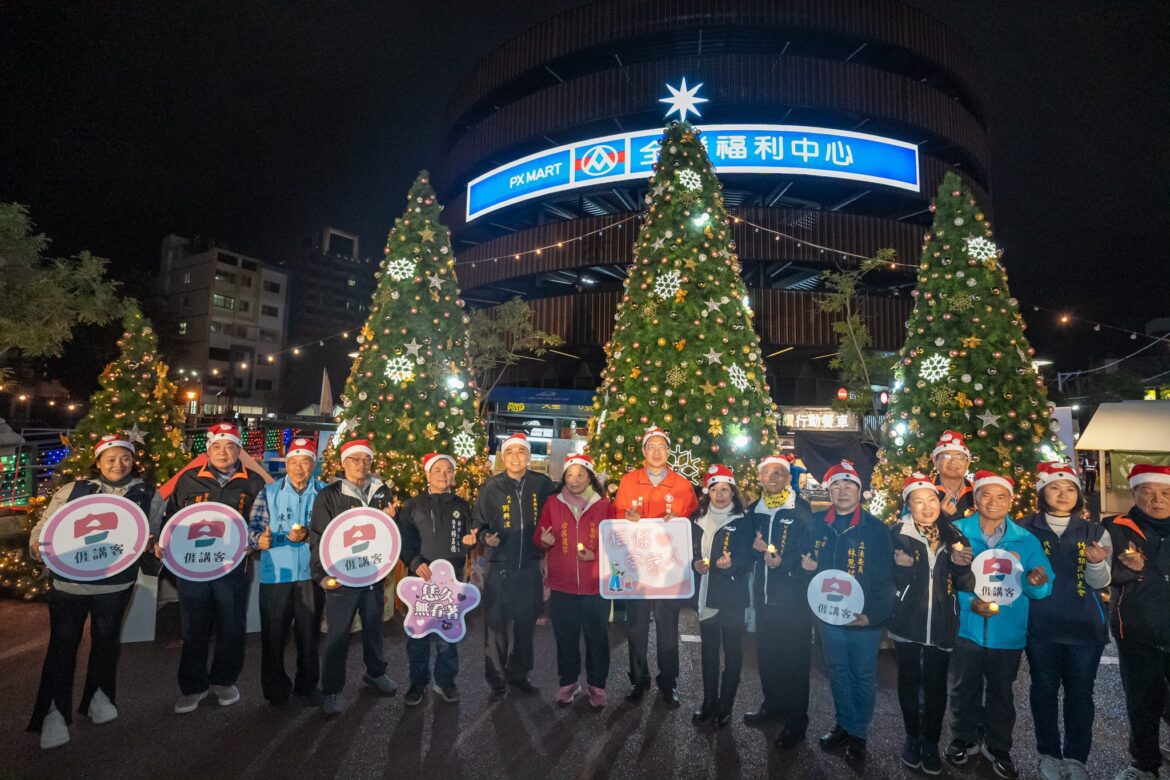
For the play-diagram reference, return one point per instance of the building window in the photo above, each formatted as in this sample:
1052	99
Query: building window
228	259
185	301
219	353
182	327
272	287
239	383
223	301
269	311
245	281
225	276
245	306
186	277
263	384
270	336
249	265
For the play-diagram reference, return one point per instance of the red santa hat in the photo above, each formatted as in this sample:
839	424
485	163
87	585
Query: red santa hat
718	473
1148	472
1047	473
916	481
779	460
111	440
985	478
950	441
516	438
843	470
432	458
356	447
580	460
224	431
301	446
653	431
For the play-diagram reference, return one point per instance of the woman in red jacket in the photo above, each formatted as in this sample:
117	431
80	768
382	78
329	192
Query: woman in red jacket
568	533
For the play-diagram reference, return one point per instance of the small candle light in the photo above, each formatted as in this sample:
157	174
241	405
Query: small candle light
706	561
771	549
958	546
993	607
331	582
580	547
1130	550
297	526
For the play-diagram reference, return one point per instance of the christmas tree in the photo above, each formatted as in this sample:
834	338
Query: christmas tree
410	390
135	399
966	364
684	354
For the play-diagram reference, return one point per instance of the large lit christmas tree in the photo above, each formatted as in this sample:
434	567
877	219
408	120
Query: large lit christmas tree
410	390
684	354
136	399
966	364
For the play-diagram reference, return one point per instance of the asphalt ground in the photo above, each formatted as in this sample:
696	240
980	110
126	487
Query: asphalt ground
521	737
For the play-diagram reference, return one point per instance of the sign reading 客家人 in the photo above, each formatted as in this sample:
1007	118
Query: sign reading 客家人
998	576
93	538
739	148
438	606
649	559
835	597
204	541
360	546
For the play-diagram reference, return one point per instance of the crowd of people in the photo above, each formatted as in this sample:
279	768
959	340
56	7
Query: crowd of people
954	650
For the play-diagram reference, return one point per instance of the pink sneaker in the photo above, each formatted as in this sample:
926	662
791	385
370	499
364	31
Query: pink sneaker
597	697
566	693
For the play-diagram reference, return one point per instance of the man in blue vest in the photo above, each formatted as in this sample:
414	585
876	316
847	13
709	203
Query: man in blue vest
279	528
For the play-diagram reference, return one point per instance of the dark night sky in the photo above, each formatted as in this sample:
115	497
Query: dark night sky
253	122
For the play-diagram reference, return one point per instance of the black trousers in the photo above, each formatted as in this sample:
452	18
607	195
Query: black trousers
219	605
511	598
666	625
286	607
67	616
341	606
784	650
922	689
1144	672
723	632
981	693
572	616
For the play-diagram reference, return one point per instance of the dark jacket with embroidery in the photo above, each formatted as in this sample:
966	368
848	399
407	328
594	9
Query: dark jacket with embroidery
334	499
1073	614
863	550
927	610
433	526
1141	600
789	530
726	588
196	486
511	508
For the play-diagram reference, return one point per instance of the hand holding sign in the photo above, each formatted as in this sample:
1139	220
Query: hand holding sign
93	538
204	541
438	604
423	571
360	547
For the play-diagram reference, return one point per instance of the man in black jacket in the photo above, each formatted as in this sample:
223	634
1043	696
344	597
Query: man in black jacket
434	526
505	516
220	603
1141	617
358	488
780	523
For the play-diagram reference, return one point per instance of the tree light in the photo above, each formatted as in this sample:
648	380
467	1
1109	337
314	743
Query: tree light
701	219
741	441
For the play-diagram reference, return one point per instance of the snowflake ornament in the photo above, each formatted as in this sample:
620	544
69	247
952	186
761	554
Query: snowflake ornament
981	249
402	268
737	377
684	462
667	284
463	445
942	395
400	369
676	376
934	368
689	179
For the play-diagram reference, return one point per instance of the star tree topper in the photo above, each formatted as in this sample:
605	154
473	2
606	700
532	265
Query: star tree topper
683	100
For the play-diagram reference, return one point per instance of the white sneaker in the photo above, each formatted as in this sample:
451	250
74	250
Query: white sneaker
1074	770
1133	773
54	730
101	709
189	703
226	694
1050	768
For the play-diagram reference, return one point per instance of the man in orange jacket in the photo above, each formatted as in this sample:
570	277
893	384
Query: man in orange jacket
654	491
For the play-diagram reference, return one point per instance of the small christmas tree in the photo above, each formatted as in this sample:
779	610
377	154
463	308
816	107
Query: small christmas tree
410	390
966	364
135	399
684	354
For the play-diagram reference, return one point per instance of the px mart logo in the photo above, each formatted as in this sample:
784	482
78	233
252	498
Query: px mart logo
599	160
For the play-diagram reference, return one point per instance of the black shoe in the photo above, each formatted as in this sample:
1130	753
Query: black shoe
498	694
912	752
834	739
1001	763
636	693
855	750
414	695
670	696
931	761
525	685
958	751
704	713
311	699
786	739
759	717
279	702
723	718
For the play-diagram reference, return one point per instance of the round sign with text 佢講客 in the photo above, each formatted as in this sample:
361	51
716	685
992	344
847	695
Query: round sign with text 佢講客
360	546
835	597
998	576
93	538
204	541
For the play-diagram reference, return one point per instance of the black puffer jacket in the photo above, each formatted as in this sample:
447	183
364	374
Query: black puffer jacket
1141	600
433	526
334	499
927	609
511	508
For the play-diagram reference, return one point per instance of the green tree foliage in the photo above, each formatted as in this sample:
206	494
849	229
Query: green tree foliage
411	391
499	338
684	354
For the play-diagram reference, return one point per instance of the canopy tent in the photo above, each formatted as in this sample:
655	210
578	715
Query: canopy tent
1124	434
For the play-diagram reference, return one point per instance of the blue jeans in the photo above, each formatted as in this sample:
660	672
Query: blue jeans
1076	667
418	653
851	662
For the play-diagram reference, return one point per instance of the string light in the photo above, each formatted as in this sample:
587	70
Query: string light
560	244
